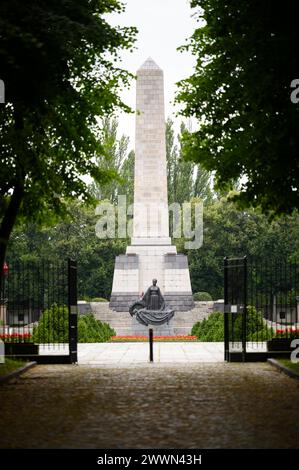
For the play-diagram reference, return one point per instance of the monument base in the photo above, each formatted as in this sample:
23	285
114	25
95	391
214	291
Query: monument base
135	270
161	330
124	324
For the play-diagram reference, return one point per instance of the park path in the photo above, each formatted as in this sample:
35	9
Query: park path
215	405
164	352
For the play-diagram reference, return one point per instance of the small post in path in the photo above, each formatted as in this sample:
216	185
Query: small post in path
151	344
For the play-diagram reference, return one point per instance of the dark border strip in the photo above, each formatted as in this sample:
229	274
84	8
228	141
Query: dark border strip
17	372
284	369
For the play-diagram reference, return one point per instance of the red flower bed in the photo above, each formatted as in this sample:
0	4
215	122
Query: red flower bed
156	338
16	338
288	330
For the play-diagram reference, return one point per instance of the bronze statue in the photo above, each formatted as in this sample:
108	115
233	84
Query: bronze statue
153	298
151	308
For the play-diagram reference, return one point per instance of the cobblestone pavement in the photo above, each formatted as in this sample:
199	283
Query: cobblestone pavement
216	405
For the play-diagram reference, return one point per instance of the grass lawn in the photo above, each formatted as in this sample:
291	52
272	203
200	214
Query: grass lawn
291	365
10	365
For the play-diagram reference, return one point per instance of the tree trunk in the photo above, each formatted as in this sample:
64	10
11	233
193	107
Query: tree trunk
8	222
17	196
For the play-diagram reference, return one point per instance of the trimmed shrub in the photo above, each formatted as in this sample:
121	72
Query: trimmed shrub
99	299
87	298
202	296
262	335
53	326
91	330
212	328
54	323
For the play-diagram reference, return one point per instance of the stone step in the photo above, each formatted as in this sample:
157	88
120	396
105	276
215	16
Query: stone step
128	332
125	325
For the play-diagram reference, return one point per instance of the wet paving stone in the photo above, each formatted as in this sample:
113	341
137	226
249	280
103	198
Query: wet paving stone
215	405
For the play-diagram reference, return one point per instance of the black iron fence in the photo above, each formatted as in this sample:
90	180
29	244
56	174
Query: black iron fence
38	309
261	305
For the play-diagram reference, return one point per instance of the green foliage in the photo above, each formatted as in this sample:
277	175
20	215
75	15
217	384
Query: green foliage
202	296
72	238
99	299
91	330
240	92
115	157
231	232
212	327
53	327
10	365
185	179
294	366
264	334
256	326
227	232
60	63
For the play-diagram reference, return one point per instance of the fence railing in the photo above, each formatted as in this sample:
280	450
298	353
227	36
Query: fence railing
35	304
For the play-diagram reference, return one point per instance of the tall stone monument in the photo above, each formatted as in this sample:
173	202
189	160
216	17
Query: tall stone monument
151	254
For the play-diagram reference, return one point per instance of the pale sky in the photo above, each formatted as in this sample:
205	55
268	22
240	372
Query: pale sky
163	26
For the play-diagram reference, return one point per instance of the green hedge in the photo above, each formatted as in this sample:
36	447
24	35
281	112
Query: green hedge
212	328
202	296
53	327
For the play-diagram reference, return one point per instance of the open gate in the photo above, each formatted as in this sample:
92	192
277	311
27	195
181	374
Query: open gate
38	311
235	306
261	308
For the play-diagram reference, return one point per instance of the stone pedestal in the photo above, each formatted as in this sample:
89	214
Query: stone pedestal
134	272
161	330
151	254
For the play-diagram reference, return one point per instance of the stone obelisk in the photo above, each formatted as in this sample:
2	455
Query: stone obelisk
151	254
150	226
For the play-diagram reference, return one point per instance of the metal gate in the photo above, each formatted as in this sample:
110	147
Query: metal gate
38	311
235	306
261	307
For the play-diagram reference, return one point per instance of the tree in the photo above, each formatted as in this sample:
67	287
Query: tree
126	186
58	77
115	156
74	237
229	231
240	92
185	179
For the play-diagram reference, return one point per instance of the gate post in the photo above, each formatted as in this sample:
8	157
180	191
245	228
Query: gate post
244	317
73	309
226	328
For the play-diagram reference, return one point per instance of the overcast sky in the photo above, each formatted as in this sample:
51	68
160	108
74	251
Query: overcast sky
163	26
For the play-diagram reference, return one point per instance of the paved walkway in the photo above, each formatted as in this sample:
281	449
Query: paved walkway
135	353
210	405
